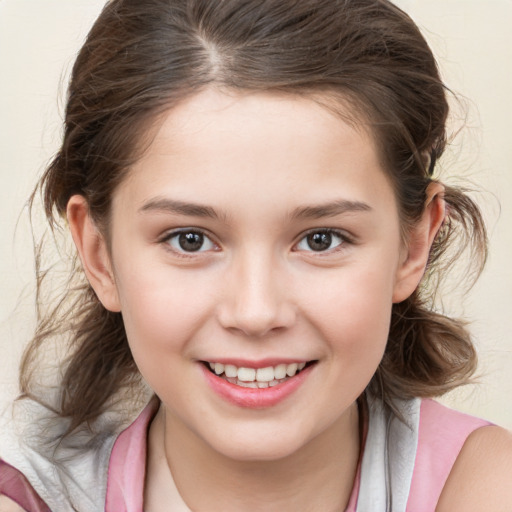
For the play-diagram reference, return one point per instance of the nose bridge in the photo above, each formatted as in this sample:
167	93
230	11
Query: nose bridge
256	299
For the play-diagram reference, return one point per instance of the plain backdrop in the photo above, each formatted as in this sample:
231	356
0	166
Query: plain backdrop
473	43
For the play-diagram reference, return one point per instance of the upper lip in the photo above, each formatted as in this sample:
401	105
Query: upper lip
259	363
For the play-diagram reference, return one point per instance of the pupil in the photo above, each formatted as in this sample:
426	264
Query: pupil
319	241
191	241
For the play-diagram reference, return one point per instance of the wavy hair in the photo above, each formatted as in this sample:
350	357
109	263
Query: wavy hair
142	57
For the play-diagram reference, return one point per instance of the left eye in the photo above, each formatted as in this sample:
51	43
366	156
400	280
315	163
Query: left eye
190	241
320	241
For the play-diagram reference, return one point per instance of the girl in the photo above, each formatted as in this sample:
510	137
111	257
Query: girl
251	190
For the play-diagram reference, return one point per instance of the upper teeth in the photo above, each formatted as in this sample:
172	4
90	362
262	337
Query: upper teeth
268	374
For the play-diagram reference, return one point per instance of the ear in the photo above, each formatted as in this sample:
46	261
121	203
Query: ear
416	253
93	252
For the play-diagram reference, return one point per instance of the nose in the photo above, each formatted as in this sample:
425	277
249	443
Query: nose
256	300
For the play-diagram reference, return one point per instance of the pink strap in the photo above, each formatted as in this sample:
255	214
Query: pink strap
442	433
126	474
16	487
354	495
352	503
127	466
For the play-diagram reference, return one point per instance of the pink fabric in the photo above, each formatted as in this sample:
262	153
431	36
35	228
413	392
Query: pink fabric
127	467
126	475
442	433
352	503
16	487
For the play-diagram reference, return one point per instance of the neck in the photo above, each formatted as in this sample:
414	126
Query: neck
319	476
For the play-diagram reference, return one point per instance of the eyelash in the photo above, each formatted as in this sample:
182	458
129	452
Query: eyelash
168	238
341	235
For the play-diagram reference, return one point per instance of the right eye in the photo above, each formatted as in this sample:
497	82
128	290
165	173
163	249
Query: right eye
322	240
189	241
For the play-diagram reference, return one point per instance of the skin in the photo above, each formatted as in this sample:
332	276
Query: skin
257	290
255	159
7	505
480	477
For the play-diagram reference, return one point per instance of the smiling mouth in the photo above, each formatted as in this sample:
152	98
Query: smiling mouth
260	378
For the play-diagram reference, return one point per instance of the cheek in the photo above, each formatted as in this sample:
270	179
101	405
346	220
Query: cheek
158	326
162	309
353	310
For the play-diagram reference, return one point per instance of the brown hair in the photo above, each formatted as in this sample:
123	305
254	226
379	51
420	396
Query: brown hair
143	57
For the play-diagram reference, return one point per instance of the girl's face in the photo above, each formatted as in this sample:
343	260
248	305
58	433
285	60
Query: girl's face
257	235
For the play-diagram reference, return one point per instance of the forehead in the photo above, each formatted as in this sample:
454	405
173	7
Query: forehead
243	114
277	146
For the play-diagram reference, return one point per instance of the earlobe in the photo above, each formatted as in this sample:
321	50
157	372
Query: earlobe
93	252
420	241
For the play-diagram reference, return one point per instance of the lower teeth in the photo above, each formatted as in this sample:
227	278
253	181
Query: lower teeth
254	384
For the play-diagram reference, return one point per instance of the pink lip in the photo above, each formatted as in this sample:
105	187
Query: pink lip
255	398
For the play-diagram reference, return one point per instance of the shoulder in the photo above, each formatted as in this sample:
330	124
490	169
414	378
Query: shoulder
480	478
7	505
442	434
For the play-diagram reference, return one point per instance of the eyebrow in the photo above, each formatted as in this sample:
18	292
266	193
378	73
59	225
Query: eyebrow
174	206
330	209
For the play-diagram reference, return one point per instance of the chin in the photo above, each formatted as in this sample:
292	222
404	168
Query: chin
261	451
249	446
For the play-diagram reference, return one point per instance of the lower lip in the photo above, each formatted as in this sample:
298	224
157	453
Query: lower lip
255	398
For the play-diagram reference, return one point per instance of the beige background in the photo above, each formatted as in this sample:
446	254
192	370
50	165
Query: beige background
473	42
